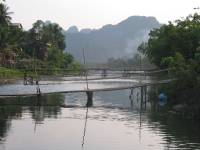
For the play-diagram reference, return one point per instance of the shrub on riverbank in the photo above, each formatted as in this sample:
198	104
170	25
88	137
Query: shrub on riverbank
9	73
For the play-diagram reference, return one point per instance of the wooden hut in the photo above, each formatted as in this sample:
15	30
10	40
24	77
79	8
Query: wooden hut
8	58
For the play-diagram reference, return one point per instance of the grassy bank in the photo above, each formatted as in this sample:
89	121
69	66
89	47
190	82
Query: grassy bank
10	73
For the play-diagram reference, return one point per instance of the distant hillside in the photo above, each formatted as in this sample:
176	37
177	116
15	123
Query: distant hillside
120	40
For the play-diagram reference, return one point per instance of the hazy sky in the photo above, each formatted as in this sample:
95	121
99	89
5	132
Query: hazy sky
96	13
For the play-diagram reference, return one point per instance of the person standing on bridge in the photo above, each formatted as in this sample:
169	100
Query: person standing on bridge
38	88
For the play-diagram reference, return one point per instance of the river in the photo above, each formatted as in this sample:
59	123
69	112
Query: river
61	121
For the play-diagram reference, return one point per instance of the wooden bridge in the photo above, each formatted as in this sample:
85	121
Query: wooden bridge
101	70
89	90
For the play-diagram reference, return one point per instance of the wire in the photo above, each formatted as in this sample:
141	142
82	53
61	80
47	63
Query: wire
86	71
37	78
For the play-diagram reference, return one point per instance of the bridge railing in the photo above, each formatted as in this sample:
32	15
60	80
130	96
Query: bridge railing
103	73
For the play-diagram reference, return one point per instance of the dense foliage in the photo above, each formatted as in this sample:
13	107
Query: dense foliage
181	37
177	46
43	36
44	43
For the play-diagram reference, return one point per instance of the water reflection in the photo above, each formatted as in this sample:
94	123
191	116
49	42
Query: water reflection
179	132
16	107
85	128
111	124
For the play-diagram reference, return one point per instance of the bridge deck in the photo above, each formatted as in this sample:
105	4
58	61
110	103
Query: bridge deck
136	85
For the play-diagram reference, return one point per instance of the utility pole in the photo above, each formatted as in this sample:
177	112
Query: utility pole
140	68
85	67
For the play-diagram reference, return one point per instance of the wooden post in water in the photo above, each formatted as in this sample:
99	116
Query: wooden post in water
131	97
141	101
89	98
88	93
145	96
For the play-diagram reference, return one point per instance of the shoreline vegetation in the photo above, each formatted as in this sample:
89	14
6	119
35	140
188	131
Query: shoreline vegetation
9	75
177	46
41	47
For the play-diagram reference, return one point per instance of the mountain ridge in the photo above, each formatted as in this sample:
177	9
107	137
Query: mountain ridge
119	40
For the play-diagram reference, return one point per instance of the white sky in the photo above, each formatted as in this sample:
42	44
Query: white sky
96	13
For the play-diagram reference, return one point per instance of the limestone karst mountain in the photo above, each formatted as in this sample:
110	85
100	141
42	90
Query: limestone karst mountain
116	41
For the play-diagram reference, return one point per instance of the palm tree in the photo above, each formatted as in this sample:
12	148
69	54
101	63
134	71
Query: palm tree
4	25
4	14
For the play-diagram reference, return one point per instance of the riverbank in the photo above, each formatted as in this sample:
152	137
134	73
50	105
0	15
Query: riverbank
9	75
8	80
180	101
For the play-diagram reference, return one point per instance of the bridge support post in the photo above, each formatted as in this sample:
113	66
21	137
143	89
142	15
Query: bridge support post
141	101
145	96
89	98
104	73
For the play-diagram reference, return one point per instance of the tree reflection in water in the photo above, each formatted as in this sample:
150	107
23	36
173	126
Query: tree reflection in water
179	131
14	107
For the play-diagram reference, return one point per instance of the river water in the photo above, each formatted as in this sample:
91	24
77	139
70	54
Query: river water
62	122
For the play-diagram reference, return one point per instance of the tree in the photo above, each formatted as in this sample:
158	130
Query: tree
4	36
183	36
43	41
4	14
58	59
177	46
42	36
4	28
52	33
